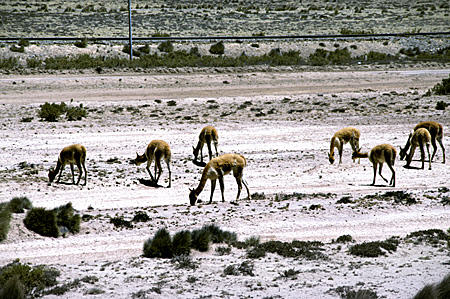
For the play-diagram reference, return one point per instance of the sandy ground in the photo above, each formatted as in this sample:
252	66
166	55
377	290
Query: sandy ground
282	122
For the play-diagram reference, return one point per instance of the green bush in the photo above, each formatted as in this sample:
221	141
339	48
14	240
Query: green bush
120	222
160	246
181	243
344	239
439	290
24	43
34	62
441	105
34	279
9	63
5	219
201	239
217	48
442	88
67	218
81	44
19	204
42	222
48	222
52	111
373	249
75	113
13	289
140	216
218	235
16	49
166	46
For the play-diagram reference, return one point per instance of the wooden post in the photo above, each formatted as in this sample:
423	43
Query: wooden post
130	34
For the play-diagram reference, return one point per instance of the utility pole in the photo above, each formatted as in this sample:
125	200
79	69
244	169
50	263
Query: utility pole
130	34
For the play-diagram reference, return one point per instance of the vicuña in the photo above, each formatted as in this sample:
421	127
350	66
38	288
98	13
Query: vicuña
340	138
436	132
207	135
72	154
217	168
156	150
417	138
378	155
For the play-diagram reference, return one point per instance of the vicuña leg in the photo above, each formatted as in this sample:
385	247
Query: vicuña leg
392	182
73	174
429	157
170	173
222	188
375	165
443	151
379	171
213	187
80	170
149	163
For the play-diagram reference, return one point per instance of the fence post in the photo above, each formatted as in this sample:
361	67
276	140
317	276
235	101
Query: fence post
130	34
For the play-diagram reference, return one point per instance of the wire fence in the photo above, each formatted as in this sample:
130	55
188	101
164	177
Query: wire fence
230	38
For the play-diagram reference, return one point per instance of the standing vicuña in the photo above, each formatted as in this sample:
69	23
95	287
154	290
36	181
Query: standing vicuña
216	169
417	138
75	153
156	150
378	155
340	138
208	134
436	132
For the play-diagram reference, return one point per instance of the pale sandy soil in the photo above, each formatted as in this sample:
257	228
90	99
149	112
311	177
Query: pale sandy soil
283	129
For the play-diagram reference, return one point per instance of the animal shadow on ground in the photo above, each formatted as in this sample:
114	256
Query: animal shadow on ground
198	163
149	183
412	167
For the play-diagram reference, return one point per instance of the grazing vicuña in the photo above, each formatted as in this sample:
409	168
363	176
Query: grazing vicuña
378	155
216	169
75	153
340	138
436	131
207	135
156	150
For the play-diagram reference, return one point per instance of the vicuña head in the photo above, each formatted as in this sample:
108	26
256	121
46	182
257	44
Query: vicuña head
72	154
340	138
217	168
156	150
378	155
207	135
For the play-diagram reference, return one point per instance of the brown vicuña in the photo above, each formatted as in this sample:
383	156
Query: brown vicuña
72	154
378	155
340	138
436	132
156	150
417	138
207	135
216	169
